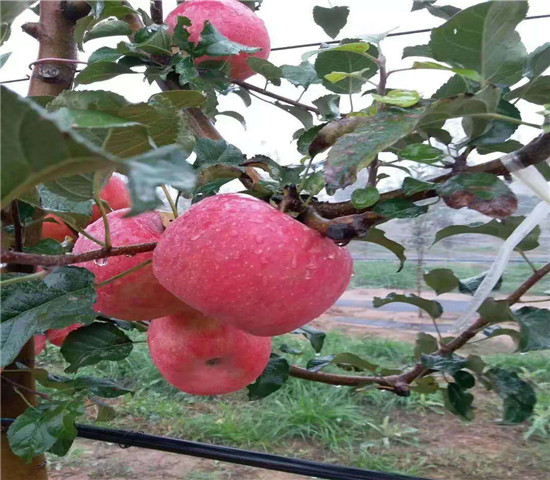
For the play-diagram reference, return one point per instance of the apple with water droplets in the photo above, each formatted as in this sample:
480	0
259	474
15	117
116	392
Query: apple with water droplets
240	260
203	356
137	295
232	19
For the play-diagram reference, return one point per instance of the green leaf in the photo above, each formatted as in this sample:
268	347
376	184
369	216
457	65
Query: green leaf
314	183
454	86
378	236
38	429
347	59
214	44
474	127
365	197
470	285
62	298
412	186
105	54
235	115
495	311
504	147
329	106
464	72
37	149
417	51
316	364
535	328
443	363
399	208
4	58
496	228
459	401
105	413
163	166
177	99
101	387
331	20
13	8
315	337
266	69
465	379
431	307
538	61
153	39
358	149
424	344
108	28
441	280
213	152
350	361
441	11
305	139
101	71
401	98
301	114
425	385
273	377
94	343
518	396
302	75
46	246
421	153
536	91
498	131
483	38
483	192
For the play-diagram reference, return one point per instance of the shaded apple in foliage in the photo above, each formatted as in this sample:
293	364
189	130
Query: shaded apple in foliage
137	295
115	193
242	261
203	356
233	20
58	335
39	344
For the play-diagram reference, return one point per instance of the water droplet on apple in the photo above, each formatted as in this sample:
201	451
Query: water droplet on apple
101	262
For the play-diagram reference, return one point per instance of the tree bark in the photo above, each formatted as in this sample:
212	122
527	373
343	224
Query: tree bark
55	33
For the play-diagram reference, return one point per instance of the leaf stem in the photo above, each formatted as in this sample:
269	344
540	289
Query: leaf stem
123	274
24	278
170	200
101	207
528	261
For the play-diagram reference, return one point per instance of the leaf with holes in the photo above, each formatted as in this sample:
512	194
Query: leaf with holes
94	343
431	307
62	298
272	379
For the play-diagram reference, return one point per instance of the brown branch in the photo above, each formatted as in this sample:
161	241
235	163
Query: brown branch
399	384
156	12
536	151
9	257
263	91
26	389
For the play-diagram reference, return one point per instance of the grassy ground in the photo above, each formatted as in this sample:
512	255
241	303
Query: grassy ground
382	274
369	429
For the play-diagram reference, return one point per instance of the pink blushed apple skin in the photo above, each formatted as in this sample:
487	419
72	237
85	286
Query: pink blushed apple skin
58	231
138	295
39	344
242	261
202	356
58	335
233	20
116	194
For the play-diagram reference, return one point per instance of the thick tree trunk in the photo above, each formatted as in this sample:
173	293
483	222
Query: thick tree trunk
54	32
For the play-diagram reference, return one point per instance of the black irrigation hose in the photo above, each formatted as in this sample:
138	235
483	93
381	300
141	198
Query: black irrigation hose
228	454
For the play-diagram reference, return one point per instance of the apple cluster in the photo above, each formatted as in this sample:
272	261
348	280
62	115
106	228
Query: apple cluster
227	275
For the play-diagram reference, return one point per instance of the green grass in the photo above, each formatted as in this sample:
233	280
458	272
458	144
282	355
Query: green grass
382	274
364	428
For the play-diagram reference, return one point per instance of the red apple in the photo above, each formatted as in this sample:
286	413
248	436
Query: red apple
116	194
58	335
39	344
58	231
242	261
233	20
202	356
138	295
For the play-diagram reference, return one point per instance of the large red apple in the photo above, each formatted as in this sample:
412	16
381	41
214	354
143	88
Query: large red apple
242	261
203	356
58	335
138	295
116	194
233	20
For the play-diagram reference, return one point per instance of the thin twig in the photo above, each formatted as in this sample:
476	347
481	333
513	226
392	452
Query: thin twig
100	206
123	274
22	387
173	206
24	278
